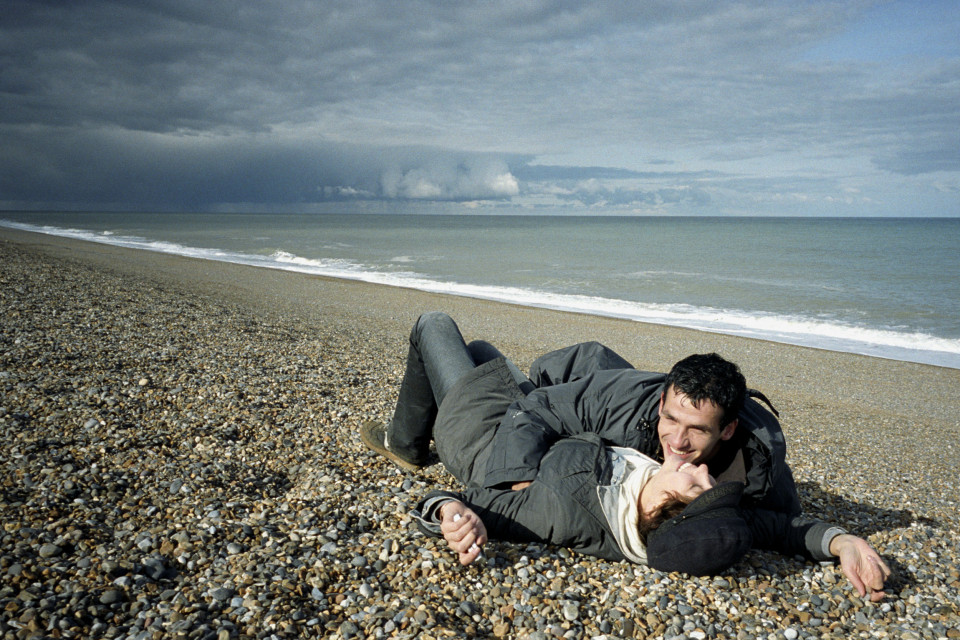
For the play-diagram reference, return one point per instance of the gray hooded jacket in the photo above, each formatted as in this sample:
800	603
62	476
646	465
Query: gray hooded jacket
589	388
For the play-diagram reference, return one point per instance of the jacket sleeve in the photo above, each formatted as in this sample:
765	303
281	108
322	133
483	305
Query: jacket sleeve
535	514
561	507
528	429
572	363
792	535
783	496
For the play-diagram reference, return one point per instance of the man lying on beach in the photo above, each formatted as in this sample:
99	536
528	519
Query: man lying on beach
511	440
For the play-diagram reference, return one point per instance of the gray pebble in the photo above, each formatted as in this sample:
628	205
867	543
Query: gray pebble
348	629
258	414
154	567
221	594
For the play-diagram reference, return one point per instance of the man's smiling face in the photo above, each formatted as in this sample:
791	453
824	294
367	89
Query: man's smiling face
688	432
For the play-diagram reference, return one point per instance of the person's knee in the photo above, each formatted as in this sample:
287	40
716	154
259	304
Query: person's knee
430	320
482	351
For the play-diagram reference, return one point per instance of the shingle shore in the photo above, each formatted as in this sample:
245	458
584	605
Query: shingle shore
180	459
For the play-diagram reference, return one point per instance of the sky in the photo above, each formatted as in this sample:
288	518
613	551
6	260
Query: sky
802	108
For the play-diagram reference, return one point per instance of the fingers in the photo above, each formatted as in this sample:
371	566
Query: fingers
854	577
464	532
702	473
673	463
865	570
875	574
884	568
877	596
467	533
872	569
471	554
873	579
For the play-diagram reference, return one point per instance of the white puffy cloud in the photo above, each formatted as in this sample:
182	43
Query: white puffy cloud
449	179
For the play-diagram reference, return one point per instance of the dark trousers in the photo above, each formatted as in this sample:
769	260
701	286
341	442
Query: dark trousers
437	359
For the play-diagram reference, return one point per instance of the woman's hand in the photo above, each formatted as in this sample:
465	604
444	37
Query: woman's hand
463	530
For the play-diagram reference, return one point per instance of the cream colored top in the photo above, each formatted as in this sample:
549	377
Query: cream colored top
640	469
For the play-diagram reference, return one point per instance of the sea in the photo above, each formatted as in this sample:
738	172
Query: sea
885	287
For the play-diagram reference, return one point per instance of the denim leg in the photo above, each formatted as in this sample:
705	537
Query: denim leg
482	351
437	358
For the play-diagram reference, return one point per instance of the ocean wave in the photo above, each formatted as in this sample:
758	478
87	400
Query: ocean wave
791	329
658	275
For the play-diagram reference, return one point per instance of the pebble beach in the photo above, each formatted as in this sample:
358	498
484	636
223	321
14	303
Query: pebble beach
181	459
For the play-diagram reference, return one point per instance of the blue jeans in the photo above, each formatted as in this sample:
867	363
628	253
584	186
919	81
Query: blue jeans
437	359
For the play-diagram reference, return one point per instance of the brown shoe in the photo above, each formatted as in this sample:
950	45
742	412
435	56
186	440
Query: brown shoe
374	435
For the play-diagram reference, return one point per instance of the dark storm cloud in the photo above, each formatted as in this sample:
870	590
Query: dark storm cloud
191	105
200	171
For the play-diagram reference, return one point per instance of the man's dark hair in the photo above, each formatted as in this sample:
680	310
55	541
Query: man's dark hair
707	376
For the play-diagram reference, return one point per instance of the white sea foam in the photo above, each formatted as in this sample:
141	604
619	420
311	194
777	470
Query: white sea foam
799	330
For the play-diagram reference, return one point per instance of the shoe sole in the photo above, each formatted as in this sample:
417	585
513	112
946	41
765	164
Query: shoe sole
369	437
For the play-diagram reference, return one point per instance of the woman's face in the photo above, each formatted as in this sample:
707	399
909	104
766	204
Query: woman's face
679	478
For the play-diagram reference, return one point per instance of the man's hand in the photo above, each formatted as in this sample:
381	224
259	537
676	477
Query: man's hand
463	530
861	564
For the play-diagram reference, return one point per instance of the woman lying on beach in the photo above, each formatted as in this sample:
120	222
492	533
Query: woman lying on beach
630	516
600	500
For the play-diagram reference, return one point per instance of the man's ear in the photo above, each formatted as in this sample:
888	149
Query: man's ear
662	396
728	430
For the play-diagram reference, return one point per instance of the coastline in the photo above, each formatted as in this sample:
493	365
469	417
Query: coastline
867	319
526	332
279	368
